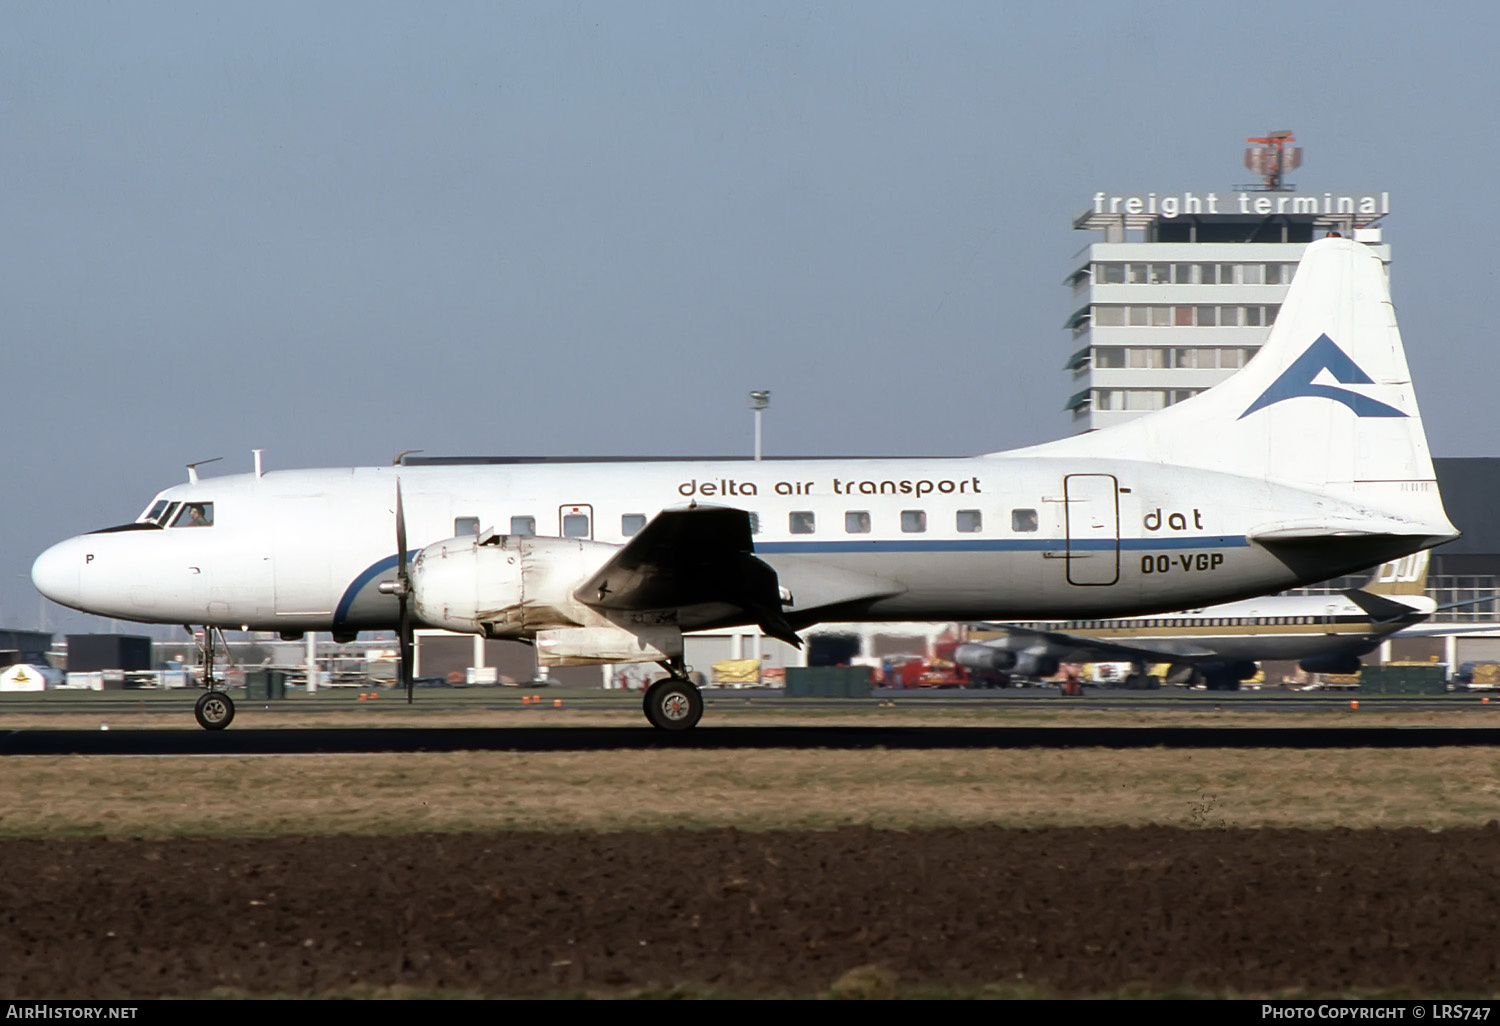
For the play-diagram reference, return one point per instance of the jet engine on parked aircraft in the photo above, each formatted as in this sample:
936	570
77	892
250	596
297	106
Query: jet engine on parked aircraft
1002	660
1342	662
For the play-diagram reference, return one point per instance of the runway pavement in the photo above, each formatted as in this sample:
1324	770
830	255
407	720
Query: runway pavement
707	737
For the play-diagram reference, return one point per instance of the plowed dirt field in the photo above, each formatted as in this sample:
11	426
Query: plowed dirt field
1048	912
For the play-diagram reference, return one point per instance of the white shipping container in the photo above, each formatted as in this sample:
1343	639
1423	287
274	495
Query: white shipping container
90	681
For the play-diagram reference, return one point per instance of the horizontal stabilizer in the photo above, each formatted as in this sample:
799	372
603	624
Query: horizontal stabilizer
1384	610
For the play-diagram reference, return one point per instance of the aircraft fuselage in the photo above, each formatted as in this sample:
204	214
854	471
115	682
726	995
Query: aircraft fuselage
990	537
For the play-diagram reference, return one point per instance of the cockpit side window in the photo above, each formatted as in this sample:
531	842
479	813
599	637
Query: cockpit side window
156	512
195	514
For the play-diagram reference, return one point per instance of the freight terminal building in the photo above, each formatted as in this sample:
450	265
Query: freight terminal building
1181	289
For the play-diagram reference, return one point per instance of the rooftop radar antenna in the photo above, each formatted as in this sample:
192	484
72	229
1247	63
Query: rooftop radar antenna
1272	158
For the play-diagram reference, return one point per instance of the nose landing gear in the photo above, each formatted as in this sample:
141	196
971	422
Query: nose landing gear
215	709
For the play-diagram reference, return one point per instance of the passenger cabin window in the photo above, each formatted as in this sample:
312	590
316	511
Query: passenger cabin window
575	525
801	522
631	524
970	521
913	521
857	522
195	514
523	525
1023	520
465	525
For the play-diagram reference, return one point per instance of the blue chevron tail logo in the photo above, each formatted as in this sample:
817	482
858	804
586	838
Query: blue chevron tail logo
1296	382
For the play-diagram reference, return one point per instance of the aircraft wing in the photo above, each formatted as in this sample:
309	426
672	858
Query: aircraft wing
1074	648
693	556
1443	630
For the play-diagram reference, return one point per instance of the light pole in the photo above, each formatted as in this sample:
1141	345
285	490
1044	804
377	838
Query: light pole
758	402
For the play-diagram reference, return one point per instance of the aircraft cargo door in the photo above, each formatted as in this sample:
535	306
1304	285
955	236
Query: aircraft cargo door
1093	510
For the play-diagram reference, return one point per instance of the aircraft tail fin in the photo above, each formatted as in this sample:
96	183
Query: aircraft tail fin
1327	404
1405	576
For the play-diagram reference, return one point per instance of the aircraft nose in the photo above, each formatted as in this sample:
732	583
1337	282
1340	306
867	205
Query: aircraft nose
55	572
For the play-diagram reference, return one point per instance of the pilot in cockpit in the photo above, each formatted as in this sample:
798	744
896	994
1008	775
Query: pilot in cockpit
197	514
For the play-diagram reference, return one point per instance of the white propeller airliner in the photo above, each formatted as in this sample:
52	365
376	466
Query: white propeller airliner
1309	463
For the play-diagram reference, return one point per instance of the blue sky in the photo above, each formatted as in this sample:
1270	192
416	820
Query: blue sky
337	231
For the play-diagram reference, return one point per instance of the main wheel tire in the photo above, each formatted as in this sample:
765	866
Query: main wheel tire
215	710
672	704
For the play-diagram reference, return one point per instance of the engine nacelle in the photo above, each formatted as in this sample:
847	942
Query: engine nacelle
984	657
504	586
590	646
1002	660
1033	664
1234	670
1342	662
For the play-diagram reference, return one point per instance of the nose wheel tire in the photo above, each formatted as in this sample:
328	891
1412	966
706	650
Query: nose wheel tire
673	704
214	710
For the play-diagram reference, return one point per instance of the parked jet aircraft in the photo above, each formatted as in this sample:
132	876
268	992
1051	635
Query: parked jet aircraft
1272	479
1220	645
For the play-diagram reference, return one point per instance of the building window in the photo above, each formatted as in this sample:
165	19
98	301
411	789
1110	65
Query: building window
857	522
913	521
801	522
970	521
1109	357
631	524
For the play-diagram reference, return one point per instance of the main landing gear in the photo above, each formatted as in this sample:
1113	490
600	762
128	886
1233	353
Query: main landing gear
673	703
215	709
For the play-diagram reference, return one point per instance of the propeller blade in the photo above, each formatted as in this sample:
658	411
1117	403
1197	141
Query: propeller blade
404	595
400	534
406	650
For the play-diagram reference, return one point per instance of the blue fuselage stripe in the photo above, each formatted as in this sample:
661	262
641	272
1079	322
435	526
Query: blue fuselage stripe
342	612
1003	545
953	545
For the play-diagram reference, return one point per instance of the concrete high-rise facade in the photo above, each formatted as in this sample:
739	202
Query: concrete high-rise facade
1182	289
